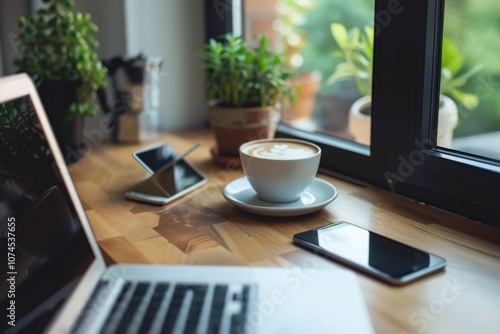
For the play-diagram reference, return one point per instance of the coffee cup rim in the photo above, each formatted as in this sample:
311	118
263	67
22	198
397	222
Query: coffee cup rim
256	141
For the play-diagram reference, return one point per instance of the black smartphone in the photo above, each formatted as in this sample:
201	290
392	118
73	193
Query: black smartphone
166	184
386	259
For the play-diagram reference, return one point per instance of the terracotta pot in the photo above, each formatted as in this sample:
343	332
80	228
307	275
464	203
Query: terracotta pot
235	126
308	84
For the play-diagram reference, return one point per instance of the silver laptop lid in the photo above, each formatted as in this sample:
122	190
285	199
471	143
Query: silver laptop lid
48	252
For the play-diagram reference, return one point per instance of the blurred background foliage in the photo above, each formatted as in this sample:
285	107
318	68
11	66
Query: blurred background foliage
474	27
318	51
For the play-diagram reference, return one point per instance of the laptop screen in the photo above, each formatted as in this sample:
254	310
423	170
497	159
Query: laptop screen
44	250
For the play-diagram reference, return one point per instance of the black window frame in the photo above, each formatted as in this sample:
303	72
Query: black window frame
403	157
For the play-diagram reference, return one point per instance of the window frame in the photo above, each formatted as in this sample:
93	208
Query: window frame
403	157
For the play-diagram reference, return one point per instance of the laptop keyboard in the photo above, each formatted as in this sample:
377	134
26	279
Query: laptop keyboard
144	307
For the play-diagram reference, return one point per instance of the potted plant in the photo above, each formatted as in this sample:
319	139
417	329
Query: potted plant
58	49
291	16
356	49
246	89
450	90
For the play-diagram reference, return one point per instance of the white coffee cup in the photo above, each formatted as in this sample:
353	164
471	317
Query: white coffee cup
280	170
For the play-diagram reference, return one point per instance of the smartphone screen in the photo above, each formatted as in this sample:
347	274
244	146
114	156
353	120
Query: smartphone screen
384	258
167	184
153	158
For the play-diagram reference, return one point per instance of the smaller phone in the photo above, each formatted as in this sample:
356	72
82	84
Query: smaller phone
153	158
166	184
383	258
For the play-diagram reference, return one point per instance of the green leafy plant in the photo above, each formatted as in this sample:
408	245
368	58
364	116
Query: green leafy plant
57	44
356	49
238	75
451	79
317	28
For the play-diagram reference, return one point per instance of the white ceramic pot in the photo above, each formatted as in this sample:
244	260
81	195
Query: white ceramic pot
447	121
360	123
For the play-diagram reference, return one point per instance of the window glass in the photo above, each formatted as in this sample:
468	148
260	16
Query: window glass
465	181
469	114
330	44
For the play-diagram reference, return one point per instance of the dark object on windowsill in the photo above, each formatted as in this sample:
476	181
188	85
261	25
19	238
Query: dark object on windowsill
135	85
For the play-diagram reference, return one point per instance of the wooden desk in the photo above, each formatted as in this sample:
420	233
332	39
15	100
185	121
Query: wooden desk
203	228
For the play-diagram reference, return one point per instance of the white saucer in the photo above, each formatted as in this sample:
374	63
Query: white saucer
319	194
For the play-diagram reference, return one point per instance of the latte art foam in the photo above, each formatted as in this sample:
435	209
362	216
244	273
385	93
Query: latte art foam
281	150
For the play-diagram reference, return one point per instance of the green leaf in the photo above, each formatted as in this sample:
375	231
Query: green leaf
469	101
451	80
450	56
339	33
356	49
370	36
342	73
461	80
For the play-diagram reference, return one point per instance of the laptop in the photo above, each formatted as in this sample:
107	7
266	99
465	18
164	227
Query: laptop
54	278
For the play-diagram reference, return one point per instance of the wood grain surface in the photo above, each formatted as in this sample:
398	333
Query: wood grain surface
203	228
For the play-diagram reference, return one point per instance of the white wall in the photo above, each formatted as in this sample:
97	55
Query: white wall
174	30
109	16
